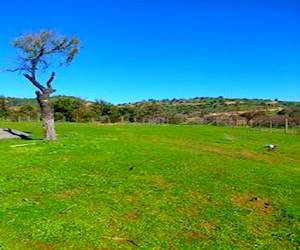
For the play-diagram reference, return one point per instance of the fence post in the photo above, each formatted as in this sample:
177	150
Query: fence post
286	125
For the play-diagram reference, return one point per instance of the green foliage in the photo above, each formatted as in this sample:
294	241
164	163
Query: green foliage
114	114
149	187
23	113
44	48
83	114
101	108
12	102
3	107
64	108
150	111
195	110
127	113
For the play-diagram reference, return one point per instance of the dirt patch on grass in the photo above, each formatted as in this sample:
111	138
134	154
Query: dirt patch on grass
41	246
62	195
160	181
132	216
252	155
208	226
192	236
33	169
68	193
93	208
270	159
67	158
195	195
254	203
121	240
200	198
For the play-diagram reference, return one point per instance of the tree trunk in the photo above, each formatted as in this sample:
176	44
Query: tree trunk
42	95
46	116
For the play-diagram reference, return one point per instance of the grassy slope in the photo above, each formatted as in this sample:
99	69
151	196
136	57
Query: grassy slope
191	187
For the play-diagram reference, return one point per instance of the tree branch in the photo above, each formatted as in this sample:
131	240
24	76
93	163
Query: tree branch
14	70
35	83
50	90
50	80
38	94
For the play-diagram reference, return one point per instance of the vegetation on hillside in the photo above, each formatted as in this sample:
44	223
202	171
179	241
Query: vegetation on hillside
201	110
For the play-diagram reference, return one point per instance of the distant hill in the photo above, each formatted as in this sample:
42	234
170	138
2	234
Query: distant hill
218	110
13	101
207	105
204	104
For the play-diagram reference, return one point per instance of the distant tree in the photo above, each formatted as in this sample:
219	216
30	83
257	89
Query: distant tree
29	112
153	112
114	114
102	110
127	113
83	114
39	51
3	107
64	108
15	114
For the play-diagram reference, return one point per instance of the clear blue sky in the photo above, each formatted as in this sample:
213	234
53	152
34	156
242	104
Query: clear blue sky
142	49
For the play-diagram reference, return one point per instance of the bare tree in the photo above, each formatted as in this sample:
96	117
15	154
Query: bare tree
38	52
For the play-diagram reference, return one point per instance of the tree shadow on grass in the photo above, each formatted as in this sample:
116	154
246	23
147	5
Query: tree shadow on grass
21	135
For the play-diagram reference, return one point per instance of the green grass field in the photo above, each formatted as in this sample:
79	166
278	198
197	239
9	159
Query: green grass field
149	187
